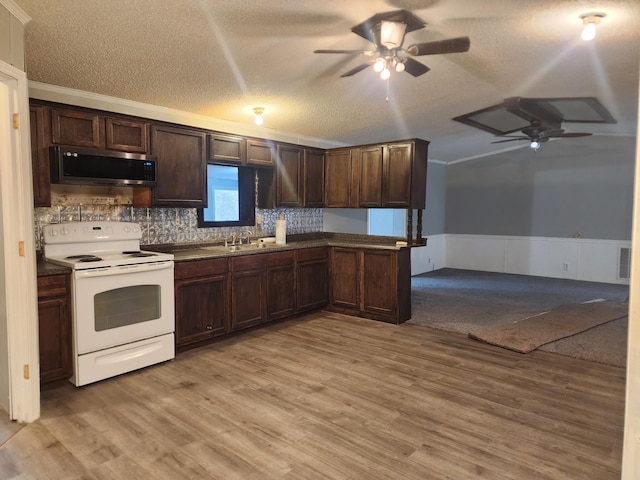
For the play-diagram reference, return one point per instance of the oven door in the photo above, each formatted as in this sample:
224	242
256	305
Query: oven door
119	305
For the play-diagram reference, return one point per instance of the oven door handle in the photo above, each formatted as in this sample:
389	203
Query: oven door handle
122	269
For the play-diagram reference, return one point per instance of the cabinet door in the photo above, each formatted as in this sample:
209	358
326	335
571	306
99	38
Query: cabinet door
379	283
397	176
337	181
260	153
345	285
313	172
75	127
312	279
248	298
126	135
227	149
182	167
371	169
54	328
201	308
289	176
280	291
39	158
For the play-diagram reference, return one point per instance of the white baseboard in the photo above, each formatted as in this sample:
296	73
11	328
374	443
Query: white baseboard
573	258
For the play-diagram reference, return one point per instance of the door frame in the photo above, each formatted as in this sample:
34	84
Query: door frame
16	191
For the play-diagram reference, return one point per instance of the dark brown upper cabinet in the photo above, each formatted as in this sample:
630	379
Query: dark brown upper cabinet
371	168
289	186
126	135
227	149
341	178
85	128
260	153
182	167
313	178
393	175
39	157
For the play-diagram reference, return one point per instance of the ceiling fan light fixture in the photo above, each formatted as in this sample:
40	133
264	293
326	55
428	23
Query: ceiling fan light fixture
385	74
392	33
535	145
400	66
258	111
590	20
379	65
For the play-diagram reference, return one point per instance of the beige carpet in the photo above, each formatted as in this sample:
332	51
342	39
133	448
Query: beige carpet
564	321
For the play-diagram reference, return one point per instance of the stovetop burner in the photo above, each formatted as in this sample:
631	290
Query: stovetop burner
142	254
90	258
78	257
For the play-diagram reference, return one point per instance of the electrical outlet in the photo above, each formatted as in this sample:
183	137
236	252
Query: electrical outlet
565	266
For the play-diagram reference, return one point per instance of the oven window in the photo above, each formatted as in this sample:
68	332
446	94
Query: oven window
126	306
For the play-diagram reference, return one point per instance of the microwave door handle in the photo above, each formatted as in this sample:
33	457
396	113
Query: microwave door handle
122	269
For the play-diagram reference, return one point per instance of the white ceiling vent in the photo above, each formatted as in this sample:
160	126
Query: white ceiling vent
624	262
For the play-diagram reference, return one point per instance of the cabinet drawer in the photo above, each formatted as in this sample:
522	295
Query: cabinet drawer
52	286
279	259
247	262
310	254
201	268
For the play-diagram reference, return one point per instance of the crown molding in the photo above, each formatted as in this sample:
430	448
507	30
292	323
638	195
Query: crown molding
80	98
16	11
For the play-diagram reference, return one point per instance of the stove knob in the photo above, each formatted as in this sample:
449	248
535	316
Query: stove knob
136	229
126	228
53	232
65	231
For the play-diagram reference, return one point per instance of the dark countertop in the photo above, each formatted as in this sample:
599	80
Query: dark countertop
201	251
189	252
45	268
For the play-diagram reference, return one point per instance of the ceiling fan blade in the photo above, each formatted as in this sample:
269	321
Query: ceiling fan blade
353	71
574	134
512	139
349	52
415	68
450	45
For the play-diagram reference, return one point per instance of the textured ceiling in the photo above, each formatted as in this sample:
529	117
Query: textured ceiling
220	58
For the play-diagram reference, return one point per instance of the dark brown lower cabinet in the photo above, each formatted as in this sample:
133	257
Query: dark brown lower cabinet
345	278
372	283
281	298
312	278
54	328
201	300
248	291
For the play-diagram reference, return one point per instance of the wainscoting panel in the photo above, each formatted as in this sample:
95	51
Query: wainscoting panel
430	257
573	258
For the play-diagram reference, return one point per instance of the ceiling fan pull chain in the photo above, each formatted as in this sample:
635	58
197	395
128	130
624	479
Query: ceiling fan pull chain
388	80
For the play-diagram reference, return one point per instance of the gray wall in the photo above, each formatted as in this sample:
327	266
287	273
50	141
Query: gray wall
433	220
345	220
570	185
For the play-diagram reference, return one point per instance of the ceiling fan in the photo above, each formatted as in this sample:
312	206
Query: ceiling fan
537	119
387	33
538	133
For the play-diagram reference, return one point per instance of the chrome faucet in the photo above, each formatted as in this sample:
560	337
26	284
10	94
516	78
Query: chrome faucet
233	240
247	236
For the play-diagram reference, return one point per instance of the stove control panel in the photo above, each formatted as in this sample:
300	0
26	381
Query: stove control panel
89	232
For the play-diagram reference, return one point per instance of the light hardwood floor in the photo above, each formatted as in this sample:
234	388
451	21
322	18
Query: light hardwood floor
329	396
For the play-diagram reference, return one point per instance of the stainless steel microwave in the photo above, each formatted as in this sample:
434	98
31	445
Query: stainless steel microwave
93	166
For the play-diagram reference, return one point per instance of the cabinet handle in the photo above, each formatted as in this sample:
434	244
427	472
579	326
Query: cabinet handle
209	327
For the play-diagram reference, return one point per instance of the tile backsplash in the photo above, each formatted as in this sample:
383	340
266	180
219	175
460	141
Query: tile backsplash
174	225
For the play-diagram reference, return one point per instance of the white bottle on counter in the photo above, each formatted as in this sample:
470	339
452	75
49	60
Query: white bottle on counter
281	230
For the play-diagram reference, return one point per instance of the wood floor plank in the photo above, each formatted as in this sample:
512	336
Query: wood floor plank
329	396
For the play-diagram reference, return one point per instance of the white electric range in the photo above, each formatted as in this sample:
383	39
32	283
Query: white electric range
122	297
